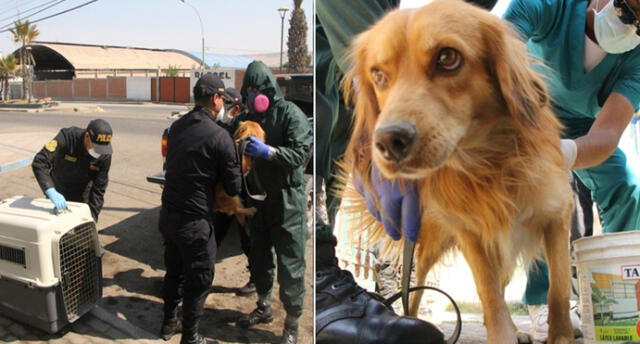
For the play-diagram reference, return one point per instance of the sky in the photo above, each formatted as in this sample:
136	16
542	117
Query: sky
236	27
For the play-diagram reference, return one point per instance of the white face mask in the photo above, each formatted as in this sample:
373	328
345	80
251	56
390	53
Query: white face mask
614	36
93	153
223	117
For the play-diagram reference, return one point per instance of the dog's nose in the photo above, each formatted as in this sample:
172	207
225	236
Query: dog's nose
394	140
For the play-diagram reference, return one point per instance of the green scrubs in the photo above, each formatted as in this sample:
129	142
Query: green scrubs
280	220
555	33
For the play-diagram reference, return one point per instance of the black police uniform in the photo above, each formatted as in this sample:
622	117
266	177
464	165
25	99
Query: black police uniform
200	154
65	164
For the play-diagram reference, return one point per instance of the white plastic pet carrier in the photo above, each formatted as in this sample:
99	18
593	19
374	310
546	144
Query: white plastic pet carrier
50	265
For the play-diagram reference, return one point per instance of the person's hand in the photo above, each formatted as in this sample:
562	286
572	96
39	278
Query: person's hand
257	148
56	198
569	152
399	202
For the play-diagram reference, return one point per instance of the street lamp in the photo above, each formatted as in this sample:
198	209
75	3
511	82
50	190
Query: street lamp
283	12
28	60
201	31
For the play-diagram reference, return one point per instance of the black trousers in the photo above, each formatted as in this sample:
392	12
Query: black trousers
189	256
223	223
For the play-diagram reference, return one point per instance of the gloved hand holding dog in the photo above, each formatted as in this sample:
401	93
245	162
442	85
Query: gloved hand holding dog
399	203
258	149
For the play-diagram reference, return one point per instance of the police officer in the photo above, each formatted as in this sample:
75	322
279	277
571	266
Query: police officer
279	222
200	155
75	166
232	107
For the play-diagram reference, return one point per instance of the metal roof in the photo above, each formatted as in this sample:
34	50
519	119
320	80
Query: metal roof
84	56
221	60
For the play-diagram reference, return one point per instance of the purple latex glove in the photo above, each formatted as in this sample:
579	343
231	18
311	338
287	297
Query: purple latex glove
257	148
400	205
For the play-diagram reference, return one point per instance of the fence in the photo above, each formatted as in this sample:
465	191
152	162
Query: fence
137	88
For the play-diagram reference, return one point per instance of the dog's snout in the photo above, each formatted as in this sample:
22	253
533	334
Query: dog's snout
394	140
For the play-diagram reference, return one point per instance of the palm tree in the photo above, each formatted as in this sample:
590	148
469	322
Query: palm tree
8	68
24	33
297	39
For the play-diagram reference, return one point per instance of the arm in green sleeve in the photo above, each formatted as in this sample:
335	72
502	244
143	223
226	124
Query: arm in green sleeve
298	140
342	20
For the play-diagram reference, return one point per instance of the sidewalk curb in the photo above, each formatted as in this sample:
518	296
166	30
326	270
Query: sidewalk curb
15	165
122	325
17	110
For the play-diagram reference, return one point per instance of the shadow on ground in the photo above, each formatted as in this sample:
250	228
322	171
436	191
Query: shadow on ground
138	238
87	326
217	324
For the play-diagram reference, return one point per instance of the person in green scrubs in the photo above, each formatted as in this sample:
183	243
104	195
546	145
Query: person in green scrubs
591	51
280	221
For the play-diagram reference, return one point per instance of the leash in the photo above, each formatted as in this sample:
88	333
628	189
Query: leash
407	261
241	146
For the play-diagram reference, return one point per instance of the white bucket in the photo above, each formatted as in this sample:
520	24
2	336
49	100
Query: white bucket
609	282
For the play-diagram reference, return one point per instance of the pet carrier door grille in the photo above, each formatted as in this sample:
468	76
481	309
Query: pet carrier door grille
79	268
13	255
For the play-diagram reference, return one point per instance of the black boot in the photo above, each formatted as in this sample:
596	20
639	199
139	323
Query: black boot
193	337
171	324
247	290
170	327
290	333
289	336
346	313
261	315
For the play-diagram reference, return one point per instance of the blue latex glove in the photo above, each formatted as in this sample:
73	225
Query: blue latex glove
257	148
400	205
56	198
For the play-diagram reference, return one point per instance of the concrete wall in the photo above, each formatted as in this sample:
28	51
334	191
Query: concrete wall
82	88
172	89
138	88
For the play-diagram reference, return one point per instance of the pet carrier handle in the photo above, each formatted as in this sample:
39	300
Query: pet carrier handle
57	211
407	262
241	146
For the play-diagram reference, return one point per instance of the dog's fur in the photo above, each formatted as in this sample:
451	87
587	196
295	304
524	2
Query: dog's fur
233	205
487	158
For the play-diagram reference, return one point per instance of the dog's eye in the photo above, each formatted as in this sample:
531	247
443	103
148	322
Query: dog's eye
379	77
449	59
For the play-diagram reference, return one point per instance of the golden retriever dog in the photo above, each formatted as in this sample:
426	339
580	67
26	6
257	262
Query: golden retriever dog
233	205
445	96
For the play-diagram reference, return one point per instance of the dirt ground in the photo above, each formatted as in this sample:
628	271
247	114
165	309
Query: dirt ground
133	269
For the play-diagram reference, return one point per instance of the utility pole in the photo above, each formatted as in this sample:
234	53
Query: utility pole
283	12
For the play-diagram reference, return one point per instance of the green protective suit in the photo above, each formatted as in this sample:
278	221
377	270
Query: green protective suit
280	220
333	121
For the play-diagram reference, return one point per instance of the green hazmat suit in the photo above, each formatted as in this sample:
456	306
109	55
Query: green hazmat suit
280	221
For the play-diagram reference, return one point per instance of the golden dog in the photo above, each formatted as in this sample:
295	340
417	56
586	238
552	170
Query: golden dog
445	95
233	205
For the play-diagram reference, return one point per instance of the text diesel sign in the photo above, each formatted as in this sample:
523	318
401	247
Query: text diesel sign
227	75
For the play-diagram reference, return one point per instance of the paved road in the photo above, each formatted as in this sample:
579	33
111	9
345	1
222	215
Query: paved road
132	265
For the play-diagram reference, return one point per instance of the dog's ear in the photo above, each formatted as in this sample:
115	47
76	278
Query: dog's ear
523	91
360	96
